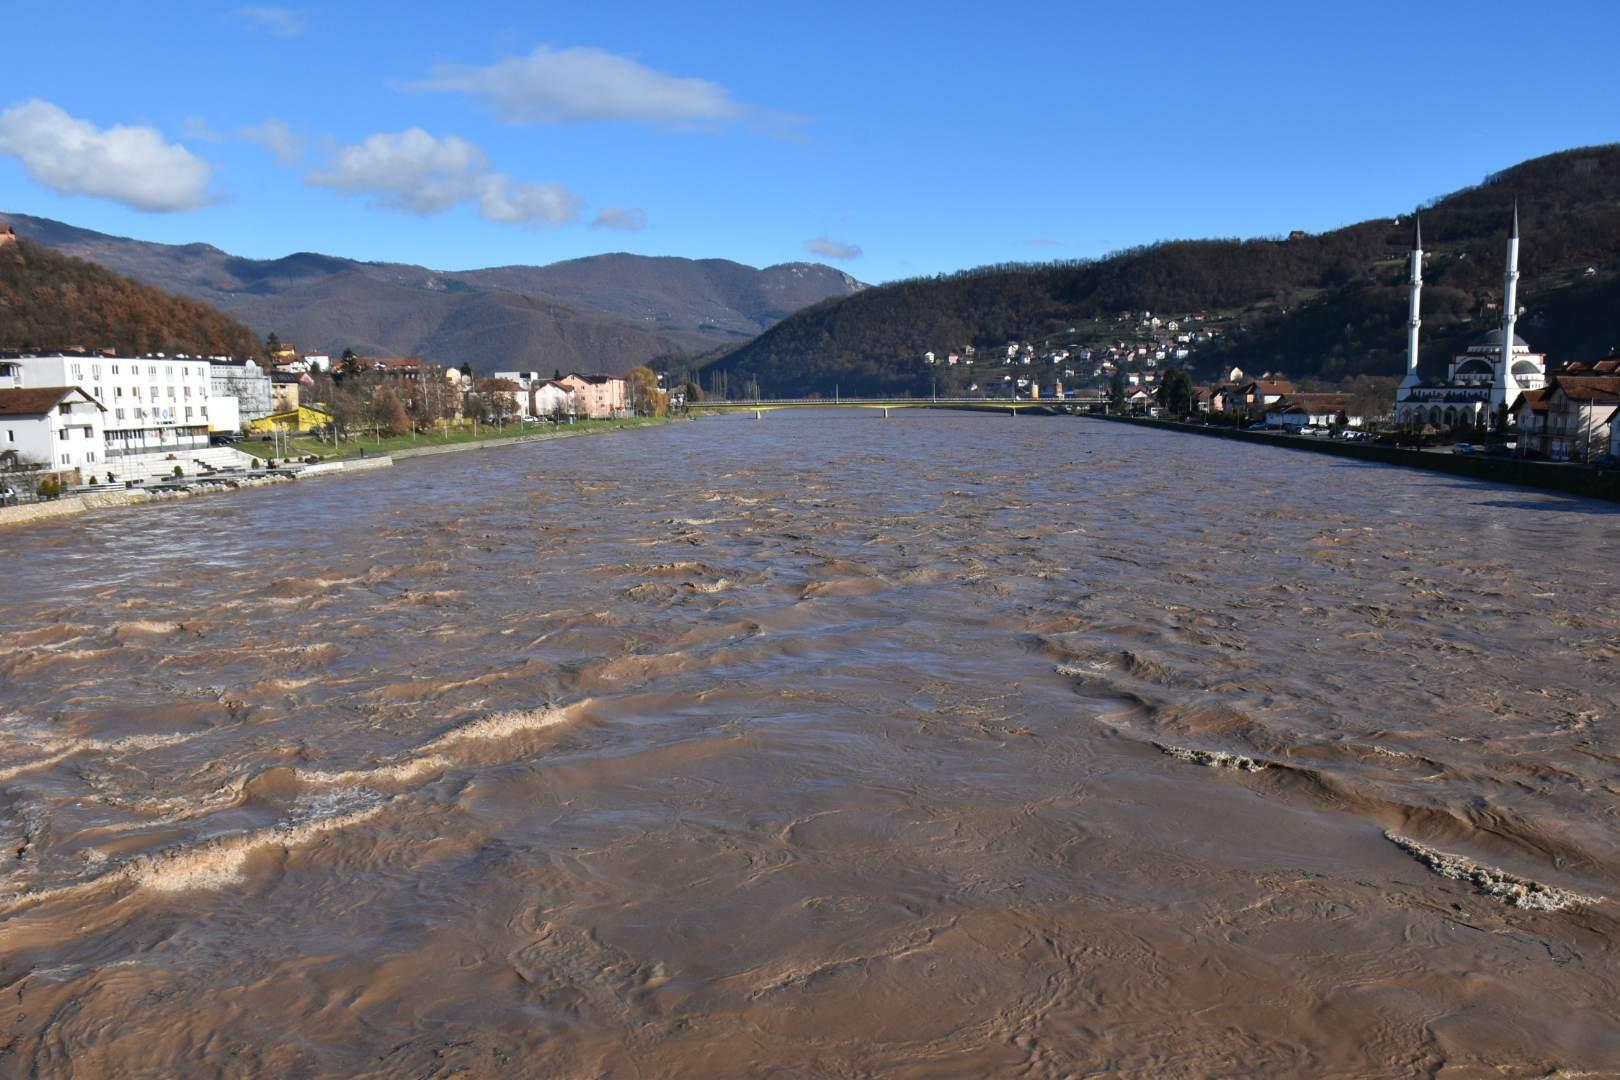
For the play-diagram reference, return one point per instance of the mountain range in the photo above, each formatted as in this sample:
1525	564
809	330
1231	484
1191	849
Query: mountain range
1329	305
603	313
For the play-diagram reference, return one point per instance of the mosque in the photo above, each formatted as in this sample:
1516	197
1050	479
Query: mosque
1482	384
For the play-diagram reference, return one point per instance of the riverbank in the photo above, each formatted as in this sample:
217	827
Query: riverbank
1549	476
300	447
223	484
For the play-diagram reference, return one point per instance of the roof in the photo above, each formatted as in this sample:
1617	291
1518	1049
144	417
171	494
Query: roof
1271	386
1596	389
40	400
596	380
1534	400
1495	338
1318	403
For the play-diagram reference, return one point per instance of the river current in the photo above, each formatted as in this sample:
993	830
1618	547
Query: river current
940	745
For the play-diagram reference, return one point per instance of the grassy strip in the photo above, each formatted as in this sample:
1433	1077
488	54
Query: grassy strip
303	446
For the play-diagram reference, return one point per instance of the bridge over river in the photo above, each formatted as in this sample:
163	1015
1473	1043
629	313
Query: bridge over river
759	407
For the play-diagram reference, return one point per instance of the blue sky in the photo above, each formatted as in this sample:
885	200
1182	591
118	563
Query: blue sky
890	139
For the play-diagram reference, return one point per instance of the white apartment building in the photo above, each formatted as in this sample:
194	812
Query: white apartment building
154	404
58	427
245	382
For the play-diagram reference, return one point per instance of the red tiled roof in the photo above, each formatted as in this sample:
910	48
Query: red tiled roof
39	400
1603	389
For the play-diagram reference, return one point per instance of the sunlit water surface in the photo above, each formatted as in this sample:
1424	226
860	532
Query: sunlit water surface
823	745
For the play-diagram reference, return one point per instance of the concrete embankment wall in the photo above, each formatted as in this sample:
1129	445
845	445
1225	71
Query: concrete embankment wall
109	500
1570	479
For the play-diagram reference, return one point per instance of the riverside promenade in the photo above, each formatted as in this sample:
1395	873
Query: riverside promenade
1547	475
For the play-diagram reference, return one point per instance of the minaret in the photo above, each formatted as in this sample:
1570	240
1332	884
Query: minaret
1414	320
1510	315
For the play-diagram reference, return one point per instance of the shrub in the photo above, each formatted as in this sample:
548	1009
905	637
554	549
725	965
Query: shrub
178	471
49	488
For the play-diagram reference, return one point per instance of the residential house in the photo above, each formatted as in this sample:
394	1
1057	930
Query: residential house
59	427
598	397
1297	411
551	398
1253	397
284	390
1578	420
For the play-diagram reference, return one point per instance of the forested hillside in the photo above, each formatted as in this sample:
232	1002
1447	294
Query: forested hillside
53	301
1330	305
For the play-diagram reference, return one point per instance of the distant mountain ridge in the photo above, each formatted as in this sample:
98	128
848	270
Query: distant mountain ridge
1328	305
606	312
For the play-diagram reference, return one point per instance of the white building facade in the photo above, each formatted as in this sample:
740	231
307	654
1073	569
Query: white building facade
58	428
153	404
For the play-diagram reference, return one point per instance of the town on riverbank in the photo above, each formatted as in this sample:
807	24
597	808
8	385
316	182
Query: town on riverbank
101	424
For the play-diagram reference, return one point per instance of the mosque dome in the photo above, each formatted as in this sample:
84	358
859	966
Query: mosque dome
1494	340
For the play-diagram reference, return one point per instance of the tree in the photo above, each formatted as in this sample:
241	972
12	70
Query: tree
391	415
641	386
556	374
693	391
466	369
1176	392
349	362
272	344
495	401
1116	389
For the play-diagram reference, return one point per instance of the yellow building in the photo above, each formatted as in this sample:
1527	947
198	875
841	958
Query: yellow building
303	418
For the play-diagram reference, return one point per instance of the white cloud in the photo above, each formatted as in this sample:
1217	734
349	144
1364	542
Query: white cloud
132	165
630	219
411	171
271	19
832	249
582	84
420	173
514	202
278	138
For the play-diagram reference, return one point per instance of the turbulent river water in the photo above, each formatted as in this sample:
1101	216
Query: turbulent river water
825	745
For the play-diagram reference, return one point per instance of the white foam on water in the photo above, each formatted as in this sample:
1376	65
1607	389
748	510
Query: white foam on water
1507	887
499	726
400	772
1214	759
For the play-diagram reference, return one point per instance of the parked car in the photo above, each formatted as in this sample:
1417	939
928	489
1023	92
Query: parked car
8	495
1463	448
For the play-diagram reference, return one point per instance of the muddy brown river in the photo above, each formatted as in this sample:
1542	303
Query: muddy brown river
946	745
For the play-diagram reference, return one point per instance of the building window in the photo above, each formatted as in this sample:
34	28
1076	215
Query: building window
188	412
11	436
115	369
95	371
64	408
78	371
90	457
65	460
120	413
